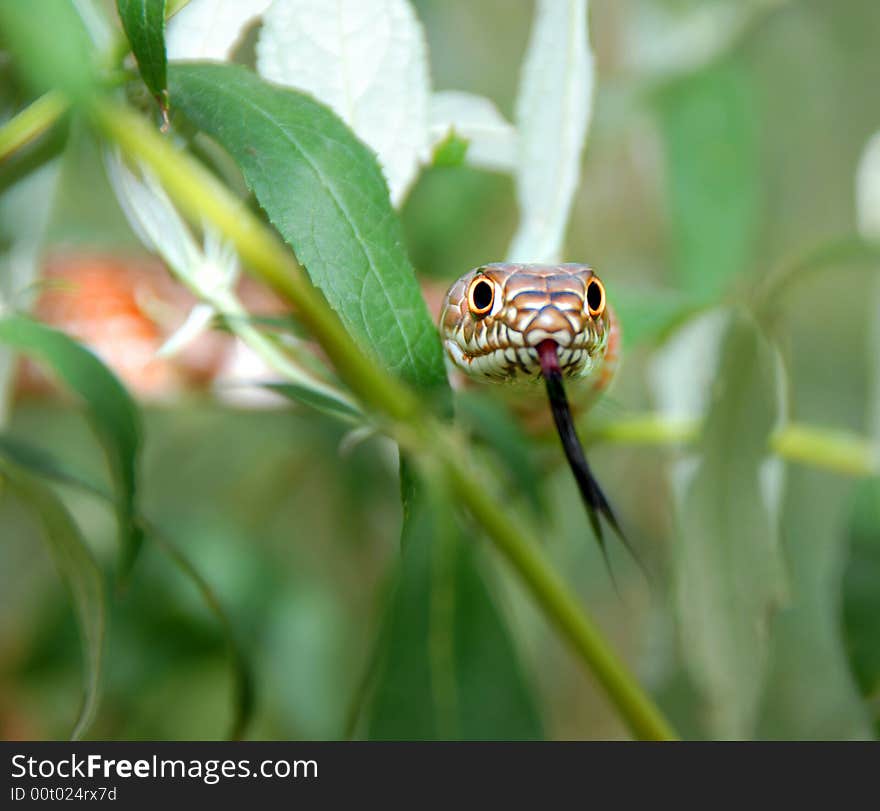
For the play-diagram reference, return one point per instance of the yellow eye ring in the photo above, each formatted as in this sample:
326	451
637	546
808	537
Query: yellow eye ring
595	298
481	296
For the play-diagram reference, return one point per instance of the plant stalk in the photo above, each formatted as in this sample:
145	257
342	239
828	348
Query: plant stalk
31	122
837	451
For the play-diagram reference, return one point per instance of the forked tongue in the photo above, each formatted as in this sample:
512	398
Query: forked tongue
593	497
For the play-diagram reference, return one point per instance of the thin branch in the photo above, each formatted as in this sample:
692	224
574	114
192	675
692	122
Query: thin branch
31	122
838	451
818	446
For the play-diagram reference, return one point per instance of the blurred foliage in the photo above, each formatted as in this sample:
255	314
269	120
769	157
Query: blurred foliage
727	527
696	186
708	123
447	666
861	597
112	413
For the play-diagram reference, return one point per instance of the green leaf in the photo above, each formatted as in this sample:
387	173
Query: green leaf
49	46
81	575
315	399
729	575
286	324
708	126
861	598
43	464
324	191
451	151
112	413
144	23
449	668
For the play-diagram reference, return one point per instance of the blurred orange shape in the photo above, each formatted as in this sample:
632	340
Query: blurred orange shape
124	309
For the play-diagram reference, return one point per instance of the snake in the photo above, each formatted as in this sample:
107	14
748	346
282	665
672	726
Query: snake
534	326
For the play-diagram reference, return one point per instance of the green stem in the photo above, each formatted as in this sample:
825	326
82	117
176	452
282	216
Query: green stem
31	122
202	197
644	429
839	451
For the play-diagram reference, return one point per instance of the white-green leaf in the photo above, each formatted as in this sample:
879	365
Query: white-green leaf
553	113
210	29
728	569
153	217
210	272
684	368
681	375
365	59
492	140
690	374
868	190
25	210
665	40
197	323
868	213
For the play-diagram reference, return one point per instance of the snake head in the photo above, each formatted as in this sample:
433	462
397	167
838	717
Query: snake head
495	316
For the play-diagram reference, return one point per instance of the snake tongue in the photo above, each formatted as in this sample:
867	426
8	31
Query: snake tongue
591	494
548	356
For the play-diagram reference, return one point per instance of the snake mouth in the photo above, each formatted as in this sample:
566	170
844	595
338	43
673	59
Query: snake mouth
517	362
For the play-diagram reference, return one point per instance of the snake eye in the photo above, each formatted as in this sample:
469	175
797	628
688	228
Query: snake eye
481	295
595	297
